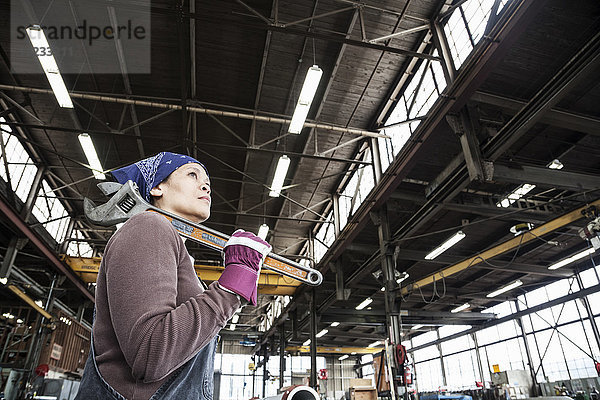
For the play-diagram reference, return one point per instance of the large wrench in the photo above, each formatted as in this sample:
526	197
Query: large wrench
126	201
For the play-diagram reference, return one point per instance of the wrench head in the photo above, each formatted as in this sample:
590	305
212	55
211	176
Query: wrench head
124	204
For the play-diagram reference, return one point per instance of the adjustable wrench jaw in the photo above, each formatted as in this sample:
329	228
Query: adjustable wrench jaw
124	204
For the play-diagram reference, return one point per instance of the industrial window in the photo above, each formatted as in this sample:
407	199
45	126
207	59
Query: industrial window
461	370
21	168
429	375
324	238
466	27
79	249
50	212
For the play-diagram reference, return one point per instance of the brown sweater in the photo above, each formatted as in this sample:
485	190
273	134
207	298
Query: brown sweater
152	314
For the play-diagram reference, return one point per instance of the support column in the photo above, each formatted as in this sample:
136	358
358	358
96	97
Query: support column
392	306
528	352
462	126
388	268
313	338
479	364
265	372
33	192
281	353
336	214
588	309
439	39
439	347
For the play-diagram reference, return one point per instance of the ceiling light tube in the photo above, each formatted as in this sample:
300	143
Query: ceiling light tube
506	288
374	344
91	155
280	172
306	343
573	258
457	237
460	308
334	324
365	303
40	44
235	318
342	358
263	231
307	94
322	333
232	327
416	327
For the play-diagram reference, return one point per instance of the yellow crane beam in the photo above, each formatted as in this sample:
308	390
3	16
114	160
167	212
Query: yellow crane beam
269	282
502	248
334	350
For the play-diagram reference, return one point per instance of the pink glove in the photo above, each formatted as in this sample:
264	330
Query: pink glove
244	254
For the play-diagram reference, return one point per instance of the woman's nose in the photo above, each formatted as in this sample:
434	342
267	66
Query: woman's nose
206	188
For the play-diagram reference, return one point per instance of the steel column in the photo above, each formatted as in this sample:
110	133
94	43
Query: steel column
588	309
281	353
313	338
479	364
527	351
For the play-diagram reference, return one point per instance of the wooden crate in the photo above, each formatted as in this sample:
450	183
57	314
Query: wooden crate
360	382
363	394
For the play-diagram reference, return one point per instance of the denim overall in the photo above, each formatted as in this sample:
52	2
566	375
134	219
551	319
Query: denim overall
193	380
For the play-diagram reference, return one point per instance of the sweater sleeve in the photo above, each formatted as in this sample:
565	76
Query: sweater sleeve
155	334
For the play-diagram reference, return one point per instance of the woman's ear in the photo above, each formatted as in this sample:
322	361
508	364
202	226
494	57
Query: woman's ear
156	191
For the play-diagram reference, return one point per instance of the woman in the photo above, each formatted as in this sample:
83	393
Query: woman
155	328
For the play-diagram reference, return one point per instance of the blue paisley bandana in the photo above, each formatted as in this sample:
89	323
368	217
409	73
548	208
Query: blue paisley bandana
148	173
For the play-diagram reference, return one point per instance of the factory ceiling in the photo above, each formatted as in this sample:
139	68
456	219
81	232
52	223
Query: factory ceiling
467	127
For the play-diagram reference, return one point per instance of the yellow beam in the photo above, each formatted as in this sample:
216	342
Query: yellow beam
504	247
29	300
269	282
335	350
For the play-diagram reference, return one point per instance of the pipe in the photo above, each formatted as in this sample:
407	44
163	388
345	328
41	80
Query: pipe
200	110
296	393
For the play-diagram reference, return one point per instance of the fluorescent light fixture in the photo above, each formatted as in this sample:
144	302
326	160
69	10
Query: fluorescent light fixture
38	41
235	318
374	344
556	164
119	225
404	277
322	333
573	258
3	280
383	289
309	88
39	303
416	327
334	324
91	155
365	303
460	308
19	321
306	343
506	288
342	358
263	231
353	353
232	327
457	237
515	195
280	172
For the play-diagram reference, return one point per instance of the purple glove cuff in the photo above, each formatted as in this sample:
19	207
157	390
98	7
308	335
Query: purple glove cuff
242	280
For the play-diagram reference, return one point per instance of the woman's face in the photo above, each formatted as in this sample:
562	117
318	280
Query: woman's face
186	192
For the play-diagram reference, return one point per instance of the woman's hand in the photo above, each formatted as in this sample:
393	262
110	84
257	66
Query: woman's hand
244	254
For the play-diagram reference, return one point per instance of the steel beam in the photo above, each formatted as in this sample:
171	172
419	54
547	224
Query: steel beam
546	177
21	226
554	117
530	310
502	248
